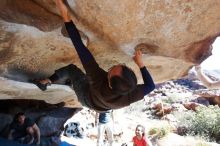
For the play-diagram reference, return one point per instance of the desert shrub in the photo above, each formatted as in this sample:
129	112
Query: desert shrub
203	144
176	97
159	131
205	122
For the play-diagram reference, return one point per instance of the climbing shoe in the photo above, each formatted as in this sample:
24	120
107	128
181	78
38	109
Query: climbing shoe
43	87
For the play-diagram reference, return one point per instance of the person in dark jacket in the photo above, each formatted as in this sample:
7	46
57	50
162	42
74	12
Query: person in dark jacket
98	89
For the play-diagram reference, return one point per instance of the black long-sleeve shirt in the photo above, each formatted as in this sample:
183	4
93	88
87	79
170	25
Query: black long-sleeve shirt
101	97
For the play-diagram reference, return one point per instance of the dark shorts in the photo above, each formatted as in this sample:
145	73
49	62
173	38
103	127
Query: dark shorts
74	77
17	135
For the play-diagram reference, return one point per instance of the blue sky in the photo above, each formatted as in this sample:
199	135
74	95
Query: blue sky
213	62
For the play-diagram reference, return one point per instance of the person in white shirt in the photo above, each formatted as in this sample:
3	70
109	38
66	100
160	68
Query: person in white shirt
207	82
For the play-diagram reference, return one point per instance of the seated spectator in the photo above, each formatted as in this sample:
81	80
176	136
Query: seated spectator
139	139
206	80
24	130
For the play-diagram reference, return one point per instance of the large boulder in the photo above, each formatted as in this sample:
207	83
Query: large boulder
173	35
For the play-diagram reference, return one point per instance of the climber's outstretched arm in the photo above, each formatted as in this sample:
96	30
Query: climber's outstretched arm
63	10
82	51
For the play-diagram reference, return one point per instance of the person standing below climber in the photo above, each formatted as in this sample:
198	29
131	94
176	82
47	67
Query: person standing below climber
105	121
207	82
24	130
98	89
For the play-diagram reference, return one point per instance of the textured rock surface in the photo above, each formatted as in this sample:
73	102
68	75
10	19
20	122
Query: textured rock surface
54	94
174	35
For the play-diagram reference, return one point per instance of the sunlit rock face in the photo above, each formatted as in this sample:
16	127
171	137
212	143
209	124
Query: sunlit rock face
174	35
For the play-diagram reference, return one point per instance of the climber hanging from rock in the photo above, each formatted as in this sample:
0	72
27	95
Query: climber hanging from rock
98	89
